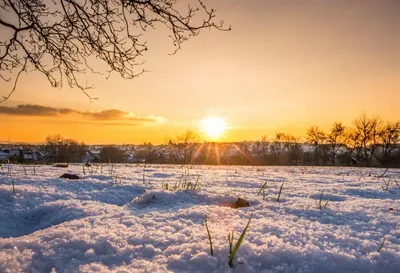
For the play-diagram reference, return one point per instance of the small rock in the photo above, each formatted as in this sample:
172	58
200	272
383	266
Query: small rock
61	165
240	203
69	176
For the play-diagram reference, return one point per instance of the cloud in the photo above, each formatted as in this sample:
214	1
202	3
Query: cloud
107	123
115	114
106	117
33	110
67	111
111	114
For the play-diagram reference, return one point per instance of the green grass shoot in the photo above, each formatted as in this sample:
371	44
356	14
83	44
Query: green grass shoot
327	201
230	241
209	236
13	186
280	191
196	185
238	243
383	243
320	199
262	188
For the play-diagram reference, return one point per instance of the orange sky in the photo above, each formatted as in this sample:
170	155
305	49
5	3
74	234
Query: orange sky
285	66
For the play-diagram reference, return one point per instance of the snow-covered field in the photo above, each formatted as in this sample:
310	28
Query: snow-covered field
126	222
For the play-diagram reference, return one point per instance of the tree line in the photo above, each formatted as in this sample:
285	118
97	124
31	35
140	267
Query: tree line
65	150
368	141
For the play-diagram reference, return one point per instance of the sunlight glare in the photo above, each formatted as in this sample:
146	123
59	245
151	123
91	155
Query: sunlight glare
214	127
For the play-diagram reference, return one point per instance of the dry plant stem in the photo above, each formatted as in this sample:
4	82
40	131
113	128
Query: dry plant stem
209	236
386	184
394	178
382	175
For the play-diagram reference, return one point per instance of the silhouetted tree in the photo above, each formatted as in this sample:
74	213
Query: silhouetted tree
277	148
183	146
353	146
336	139
293	149
53	143
261	150
111	154
389	137
149	153
21	158
65	150
367	128
316	137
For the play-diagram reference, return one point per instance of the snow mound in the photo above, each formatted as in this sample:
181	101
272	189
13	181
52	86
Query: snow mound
181	198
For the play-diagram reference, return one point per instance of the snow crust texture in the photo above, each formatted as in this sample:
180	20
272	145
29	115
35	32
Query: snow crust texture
126	220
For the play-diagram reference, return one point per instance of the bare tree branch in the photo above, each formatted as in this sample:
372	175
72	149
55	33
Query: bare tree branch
63	39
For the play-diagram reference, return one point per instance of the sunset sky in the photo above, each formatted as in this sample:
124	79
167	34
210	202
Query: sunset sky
285	66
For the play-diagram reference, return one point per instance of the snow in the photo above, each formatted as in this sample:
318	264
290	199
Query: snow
124	221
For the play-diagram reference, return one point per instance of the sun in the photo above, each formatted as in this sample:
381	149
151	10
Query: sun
213	127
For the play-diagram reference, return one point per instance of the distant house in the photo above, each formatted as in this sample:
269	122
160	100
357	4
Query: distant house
130	157
91	156
4	155
26	156
48	156
166	155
